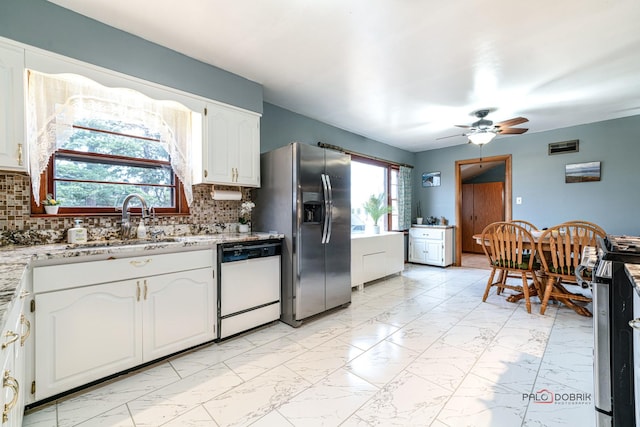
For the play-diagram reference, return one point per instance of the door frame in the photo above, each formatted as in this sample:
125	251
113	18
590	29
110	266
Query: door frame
507	195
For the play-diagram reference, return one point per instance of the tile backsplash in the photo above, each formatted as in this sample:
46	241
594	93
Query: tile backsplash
17	226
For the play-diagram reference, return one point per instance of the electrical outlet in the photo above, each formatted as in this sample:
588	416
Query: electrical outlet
518	200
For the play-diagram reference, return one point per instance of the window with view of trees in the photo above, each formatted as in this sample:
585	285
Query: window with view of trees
105	144
103	161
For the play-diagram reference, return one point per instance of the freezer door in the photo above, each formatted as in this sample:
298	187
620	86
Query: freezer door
310	283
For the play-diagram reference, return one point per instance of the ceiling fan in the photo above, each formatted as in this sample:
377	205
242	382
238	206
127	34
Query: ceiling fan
483	130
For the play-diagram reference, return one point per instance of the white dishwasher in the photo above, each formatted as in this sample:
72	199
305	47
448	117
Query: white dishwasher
248	285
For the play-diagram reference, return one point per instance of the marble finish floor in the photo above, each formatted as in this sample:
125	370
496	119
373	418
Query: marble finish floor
420	349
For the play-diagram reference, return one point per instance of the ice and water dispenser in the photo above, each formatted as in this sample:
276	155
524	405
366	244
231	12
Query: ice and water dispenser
312	207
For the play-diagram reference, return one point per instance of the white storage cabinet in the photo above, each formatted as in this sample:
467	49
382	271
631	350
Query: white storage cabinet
94	319
230	150
374	256
431	245
14	341
12	142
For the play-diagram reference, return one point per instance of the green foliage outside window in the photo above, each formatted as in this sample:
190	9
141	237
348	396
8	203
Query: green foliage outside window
99	166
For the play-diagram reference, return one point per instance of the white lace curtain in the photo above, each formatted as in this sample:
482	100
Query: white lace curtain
404	198
55	102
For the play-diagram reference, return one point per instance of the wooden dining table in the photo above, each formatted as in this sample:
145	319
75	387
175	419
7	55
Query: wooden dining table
543	277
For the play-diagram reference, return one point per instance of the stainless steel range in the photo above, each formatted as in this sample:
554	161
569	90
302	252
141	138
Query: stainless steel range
613	295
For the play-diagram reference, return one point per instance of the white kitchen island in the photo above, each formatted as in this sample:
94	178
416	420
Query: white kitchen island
374	256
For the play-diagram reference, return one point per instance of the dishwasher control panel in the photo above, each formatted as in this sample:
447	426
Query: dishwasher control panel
249	250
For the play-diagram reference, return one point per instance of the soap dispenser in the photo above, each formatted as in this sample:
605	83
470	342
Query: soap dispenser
77	234
141	232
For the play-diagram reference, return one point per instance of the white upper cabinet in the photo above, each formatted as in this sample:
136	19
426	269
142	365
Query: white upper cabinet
12	142
230	152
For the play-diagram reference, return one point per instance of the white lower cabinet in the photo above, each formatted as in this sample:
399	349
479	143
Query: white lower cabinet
179	312
87	333
431	245
14	338
375	256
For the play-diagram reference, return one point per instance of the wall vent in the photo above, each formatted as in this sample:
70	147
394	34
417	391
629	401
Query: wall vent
564	147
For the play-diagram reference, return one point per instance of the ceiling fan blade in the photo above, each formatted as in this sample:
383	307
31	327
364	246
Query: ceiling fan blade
512	122
450	136
463	126
511	131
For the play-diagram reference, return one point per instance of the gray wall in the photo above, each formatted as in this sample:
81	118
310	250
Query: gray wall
613	202
47	26
279	127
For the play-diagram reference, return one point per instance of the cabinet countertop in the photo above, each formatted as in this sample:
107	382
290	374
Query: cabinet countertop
382	233
430	226
14	260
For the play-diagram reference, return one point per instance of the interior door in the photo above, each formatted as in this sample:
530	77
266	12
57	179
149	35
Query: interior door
482	204
488	205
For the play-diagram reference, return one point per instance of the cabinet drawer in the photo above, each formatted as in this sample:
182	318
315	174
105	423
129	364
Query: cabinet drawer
427	233
65	276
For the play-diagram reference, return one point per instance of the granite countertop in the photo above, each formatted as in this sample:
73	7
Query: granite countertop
14	260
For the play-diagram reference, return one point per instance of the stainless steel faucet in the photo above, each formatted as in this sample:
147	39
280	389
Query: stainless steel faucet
126	217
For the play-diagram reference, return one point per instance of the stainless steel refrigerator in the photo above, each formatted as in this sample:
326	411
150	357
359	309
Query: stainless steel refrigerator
305	194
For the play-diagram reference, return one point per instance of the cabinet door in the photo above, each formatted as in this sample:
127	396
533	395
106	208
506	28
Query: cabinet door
12	147
247	150
178	311
217	167
85	334
231	150
12	374
417	250
434	252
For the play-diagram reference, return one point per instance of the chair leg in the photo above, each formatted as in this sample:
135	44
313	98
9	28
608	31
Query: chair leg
547	294
536	284
525	291
489	283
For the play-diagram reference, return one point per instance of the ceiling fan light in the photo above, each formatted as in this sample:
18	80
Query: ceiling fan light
481	138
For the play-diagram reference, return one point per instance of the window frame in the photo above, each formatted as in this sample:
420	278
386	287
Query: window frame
388	170
47	186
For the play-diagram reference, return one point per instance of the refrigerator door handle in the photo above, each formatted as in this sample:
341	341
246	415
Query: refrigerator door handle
330	209
325	220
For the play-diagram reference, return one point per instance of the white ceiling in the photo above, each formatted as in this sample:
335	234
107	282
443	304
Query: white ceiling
404	72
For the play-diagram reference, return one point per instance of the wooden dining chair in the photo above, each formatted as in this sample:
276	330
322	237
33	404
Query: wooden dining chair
589	224
510	250
560	248
526	224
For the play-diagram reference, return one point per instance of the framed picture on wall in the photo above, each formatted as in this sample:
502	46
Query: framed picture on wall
431	179
582	172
